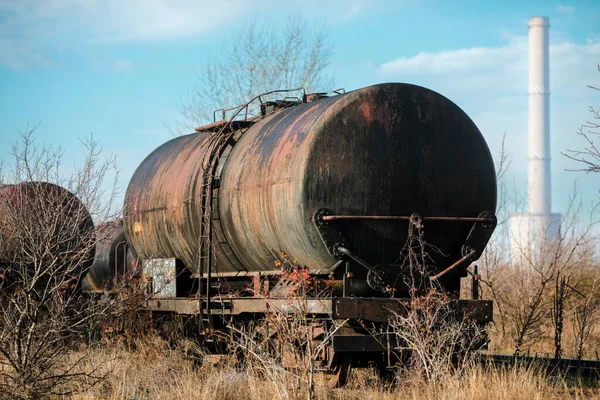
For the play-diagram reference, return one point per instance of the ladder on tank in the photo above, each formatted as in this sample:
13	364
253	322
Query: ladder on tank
227	132
223	139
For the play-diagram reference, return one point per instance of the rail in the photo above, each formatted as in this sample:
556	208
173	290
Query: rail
567	366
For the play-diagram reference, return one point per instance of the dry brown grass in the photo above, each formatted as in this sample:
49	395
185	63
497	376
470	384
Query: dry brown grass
154	371
541	341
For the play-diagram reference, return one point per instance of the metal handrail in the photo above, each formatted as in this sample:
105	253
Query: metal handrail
259	98
401	218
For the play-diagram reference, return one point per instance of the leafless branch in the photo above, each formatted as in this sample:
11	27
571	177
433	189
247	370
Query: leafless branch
589	156
260	58
47	243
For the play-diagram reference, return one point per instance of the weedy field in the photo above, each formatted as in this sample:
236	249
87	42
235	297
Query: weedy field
50	347
155	371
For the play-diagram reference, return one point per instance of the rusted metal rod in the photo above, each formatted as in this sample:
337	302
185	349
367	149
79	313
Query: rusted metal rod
357	259
401	218
456	264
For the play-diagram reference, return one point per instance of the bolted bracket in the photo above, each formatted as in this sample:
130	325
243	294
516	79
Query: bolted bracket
478	237
330	233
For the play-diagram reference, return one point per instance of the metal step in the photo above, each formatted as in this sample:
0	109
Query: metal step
224	125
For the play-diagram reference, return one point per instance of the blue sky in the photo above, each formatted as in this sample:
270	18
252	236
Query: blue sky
118	69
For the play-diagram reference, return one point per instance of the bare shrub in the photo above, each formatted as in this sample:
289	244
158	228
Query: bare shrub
259	59
586	312
288	346
524	288
441	340
494	257
560	297
47	244
589	156
438	336
524	292
529	297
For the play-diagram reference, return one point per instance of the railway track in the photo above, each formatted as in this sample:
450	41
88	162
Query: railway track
566	366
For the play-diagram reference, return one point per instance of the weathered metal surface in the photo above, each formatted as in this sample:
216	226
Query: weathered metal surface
160	273
49	213
113	259
237	306
330	232
367	309
467	257
358	343
382	309
402	218
309	306
179	306
218	126
390	149
162	214
478	310
480	234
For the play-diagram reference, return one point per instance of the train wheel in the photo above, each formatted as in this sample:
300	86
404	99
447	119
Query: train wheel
339	371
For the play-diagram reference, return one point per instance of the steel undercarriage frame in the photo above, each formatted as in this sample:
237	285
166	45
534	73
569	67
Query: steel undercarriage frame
372	309
357	311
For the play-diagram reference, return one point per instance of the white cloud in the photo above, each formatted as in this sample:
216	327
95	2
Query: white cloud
122	65
19	54
164	20
500	70
452	61
564	9
490	84
128	20
33	31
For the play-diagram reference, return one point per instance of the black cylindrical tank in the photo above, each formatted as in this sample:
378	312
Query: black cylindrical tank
113	258
388	149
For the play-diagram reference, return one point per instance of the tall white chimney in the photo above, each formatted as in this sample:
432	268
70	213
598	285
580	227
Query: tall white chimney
540	202
530	233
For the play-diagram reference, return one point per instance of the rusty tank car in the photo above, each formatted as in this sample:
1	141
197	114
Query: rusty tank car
365	157
342	185
28	212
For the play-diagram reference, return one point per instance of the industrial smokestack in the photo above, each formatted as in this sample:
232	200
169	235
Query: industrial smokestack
540	202
530	233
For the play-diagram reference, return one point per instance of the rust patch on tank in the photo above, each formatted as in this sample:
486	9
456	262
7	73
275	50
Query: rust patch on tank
367	111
